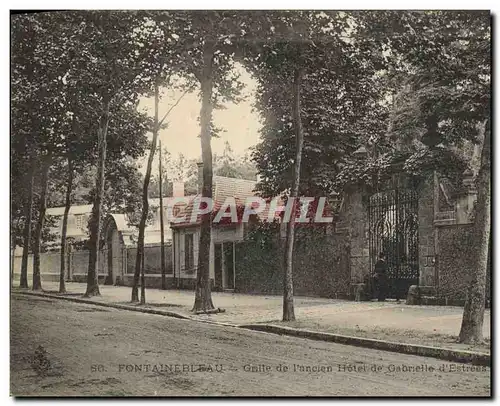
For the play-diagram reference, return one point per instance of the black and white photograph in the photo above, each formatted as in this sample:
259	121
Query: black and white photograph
249	203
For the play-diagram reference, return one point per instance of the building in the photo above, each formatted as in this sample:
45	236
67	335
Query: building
224	235
78	218
424	228
116	259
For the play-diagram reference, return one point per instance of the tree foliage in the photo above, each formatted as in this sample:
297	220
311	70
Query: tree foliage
339	98
436	86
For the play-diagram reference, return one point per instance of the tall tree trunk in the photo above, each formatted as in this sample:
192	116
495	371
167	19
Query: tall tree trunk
139	268
473	317
95	221
37	280
162	227
288	308
67	207
12	260
203	293
143	281
32	40
27	226
138	262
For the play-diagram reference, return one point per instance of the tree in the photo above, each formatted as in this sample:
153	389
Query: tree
340	95
288	308
67	207
37	78
207	40
167	167
107	51
27	228
471	330
224	164
163	49
21	212
450	83
37	282
203	296
436	97
145	205
78	155
139	264
162	225
17	213
232	166
24	35
441	60
123	184
57	84
311	127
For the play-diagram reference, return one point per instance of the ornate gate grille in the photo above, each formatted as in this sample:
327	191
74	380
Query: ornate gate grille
393	222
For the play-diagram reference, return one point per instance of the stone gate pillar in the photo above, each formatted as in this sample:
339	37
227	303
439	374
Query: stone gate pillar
358	237
426	242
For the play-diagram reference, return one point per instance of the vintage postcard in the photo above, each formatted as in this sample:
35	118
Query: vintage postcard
250	203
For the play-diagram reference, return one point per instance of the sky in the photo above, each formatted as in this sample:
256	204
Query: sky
241	125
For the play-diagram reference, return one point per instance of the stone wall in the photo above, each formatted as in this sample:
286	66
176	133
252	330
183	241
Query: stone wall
455	262
79	264
321	265
152	260
50	265
259	265
154	281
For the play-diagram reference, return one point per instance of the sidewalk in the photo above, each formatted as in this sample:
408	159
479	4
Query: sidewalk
424	325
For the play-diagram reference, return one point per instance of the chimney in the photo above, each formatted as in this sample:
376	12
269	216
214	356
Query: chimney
178	189
200	177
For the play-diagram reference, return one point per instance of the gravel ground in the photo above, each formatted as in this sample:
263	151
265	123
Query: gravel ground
67	349
428	325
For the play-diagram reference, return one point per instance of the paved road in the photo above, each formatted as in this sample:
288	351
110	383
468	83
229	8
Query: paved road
93	351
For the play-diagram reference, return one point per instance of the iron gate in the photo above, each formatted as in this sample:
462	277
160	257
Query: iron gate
393	225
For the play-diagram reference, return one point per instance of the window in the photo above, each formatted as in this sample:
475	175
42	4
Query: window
189	252
79	221
175	211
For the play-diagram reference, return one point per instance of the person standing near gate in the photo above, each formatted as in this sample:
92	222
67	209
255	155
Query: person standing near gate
380	278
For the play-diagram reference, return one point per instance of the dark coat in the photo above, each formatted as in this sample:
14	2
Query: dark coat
381	267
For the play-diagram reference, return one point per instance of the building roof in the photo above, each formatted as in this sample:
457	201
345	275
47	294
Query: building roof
87	208
166	200
129	233
224	187
121	221
74	210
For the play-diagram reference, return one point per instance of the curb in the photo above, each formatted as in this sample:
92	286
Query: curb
104	304
468	357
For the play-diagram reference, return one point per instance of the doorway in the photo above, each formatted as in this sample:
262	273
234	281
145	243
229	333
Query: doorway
393	221
110	277
218	266
224	265
113	256
228	250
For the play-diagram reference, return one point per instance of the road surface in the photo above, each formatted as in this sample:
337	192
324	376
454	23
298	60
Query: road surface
60	348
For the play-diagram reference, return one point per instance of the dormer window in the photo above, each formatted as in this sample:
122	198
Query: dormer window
79	221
